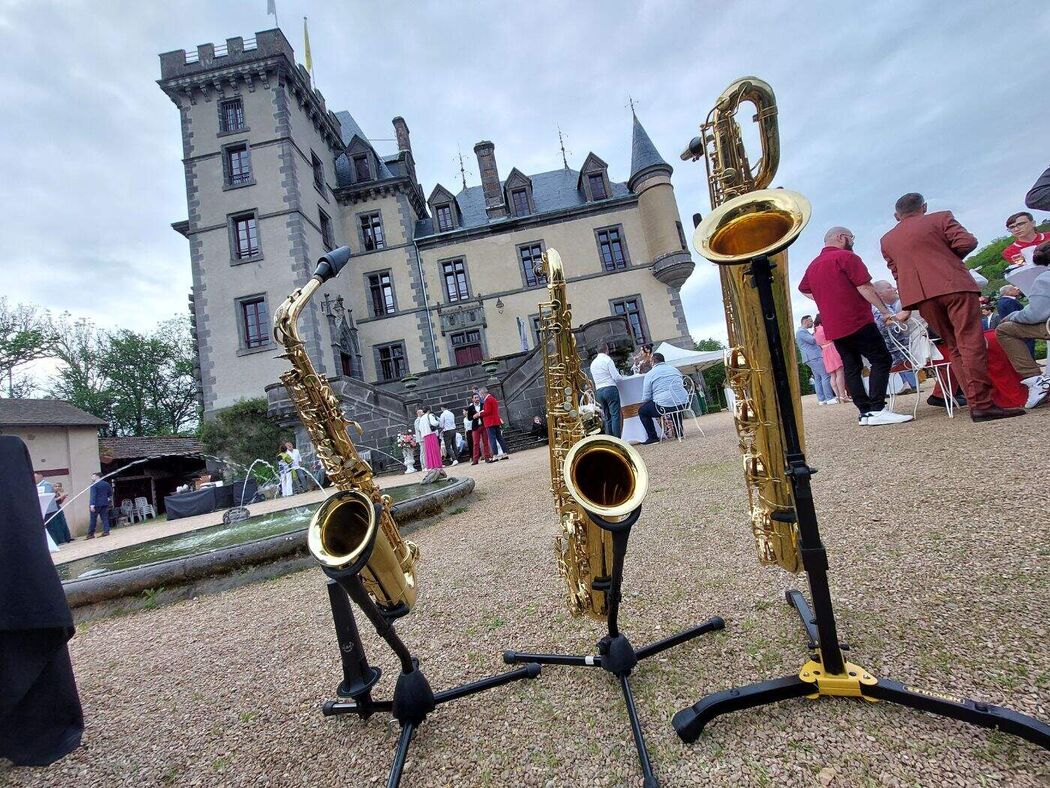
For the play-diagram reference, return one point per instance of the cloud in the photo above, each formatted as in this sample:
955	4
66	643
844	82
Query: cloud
874	101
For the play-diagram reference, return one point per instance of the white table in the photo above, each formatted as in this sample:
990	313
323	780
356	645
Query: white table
630	389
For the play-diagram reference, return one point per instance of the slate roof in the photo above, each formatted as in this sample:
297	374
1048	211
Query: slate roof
551	191
44	413
348	129
644	154
148	446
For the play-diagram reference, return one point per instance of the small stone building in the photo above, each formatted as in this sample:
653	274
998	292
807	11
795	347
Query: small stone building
150	467
63	445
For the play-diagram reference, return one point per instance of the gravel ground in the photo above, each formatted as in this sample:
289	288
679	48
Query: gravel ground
938	567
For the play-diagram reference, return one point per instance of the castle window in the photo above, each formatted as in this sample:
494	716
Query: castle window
381	290
231	116
520	200
611	248
454	275
390	361
597	183
444	218
237	164
318	169
362	172
530	256
327	233
254	322
244	231
631	308
536	334
372	232
466	346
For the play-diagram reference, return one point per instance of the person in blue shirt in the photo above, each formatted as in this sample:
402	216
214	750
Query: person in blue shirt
101	493
662	387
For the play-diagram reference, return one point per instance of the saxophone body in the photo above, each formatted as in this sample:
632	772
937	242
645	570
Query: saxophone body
747	361
584	550
353	528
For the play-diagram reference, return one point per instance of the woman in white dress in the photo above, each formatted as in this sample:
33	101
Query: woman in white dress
284	469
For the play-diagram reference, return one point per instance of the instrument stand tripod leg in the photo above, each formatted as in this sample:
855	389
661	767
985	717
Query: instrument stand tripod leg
828	673
615	654
413	698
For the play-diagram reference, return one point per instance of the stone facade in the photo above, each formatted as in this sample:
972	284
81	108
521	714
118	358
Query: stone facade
273	179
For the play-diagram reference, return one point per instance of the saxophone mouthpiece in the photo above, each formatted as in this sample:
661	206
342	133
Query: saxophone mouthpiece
694	151
332	263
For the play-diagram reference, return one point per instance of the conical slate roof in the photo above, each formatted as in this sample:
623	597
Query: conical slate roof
644	155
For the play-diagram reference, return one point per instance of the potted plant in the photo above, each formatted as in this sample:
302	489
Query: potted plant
406	441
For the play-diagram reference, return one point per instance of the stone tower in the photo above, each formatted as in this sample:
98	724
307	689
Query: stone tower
651	180
259	151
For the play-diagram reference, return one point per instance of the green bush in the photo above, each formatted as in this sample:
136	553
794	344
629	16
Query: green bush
241	433
989	258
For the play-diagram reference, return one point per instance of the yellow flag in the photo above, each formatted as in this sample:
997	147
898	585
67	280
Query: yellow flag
306	48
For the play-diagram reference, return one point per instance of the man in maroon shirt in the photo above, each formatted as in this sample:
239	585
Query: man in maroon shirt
839	282
925	254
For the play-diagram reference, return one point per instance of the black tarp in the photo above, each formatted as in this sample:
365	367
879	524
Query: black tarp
208	499
40	715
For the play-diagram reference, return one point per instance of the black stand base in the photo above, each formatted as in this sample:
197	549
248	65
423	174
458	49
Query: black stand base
690	722
827	672
413	698
615	654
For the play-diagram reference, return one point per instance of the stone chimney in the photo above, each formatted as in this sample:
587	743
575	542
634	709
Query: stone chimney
401	132
494	204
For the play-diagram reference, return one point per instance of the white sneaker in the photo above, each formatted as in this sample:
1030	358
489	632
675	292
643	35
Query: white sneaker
862	420
455	462
821	402
1038	390
832	401
887	416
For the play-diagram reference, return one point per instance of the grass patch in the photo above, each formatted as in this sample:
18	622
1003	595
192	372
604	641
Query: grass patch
458	510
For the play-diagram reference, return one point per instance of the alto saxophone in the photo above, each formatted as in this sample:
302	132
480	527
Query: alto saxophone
354	526
747	360
600	470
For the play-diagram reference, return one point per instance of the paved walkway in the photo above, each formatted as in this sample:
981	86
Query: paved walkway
153	529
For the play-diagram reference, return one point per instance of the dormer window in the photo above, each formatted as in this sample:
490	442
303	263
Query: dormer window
597	184
594	179
362	172
445	221
519	199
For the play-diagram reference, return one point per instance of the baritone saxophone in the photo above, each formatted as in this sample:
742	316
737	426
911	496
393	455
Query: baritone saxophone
771	220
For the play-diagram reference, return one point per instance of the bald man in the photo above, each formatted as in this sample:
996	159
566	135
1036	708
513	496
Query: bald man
925	254
839	282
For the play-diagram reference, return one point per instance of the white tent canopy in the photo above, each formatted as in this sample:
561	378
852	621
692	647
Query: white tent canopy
689	360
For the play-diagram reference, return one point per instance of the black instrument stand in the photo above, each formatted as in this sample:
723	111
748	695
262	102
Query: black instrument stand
827	672
615	653
413	698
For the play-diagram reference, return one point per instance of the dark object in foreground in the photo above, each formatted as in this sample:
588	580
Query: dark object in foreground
995	412
615	653
827	672
413	698
40	716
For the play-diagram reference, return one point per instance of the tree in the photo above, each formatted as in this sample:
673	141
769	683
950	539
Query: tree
177	399
714	376
26	335
709	344
81	347
242	432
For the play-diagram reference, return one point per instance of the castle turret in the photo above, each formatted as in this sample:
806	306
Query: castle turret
651	180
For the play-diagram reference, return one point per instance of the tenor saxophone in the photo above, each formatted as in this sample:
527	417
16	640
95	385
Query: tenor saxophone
747	360
353	527
600	471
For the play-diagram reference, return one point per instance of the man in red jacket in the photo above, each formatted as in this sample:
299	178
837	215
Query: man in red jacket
493	424
924	253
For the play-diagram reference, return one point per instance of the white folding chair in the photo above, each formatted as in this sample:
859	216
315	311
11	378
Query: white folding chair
127	509
144	509
920	354
678	409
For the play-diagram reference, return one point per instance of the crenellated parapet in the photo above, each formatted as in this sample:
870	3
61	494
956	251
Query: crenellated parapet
240	64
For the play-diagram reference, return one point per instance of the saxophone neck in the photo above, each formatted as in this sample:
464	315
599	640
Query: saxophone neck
286	319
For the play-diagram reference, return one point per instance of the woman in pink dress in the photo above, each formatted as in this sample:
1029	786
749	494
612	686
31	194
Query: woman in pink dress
426	434
832	362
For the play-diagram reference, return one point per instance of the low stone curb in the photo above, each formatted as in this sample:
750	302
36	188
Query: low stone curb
91	596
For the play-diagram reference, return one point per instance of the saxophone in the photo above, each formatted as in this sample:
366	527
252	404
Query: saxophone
353	530
588	471
747	360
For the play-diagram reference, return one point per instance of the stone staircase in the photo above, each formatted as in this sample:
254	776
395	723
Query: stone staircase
518	439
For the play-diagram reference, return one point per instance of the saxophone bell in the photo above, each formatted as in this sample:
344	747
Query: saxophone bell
342	532
606	476
763	222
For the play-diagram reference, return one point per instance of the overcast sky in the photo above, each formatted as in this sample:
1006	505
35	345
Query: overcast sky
875	101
